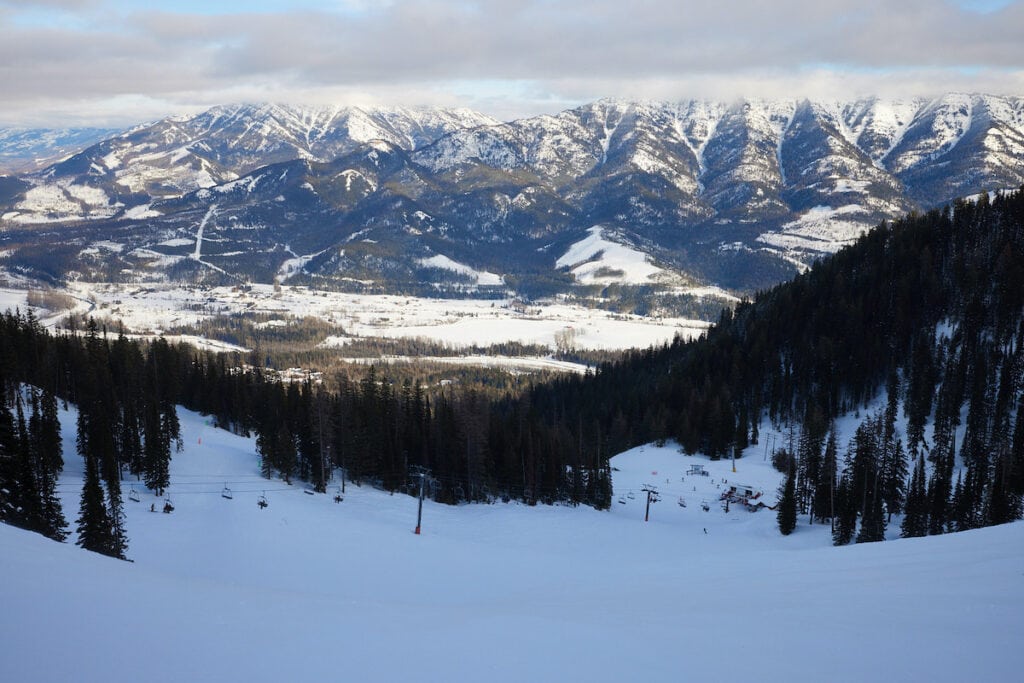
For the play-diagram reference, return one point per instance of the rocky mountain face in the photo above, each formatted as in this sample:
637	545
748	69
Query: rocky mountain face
734	194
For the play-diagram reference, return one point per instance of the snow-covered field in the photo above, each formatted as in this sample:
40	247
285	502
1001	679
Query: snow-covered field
456	322
595	259
509	363
308	589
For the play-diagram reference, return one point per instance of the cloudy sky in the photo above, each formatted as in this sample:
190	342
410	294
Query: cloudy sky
116	62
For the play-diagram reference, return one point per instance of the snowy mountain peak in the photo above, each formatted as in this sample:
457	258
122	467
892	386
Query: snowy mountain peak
734	193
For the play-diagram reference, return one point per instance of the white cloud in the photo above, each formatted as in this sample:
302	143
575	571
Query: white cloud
506	57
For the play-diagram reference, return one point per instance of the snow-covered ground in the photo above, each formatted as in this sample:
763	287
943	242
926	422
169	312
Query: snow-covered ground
445	263
510	363
308	589
11	299
594	260
456	322
822	229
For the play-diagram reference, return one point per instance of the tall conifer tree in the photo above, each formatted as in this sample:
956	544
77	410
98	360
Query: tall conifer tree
93	524
788	503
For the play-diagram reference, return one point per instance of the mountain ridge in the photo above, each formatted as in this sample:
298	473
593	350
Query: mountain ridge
737	194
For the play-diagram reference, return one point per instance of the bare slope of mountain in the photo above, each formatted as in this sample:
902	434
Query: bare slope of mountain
737	194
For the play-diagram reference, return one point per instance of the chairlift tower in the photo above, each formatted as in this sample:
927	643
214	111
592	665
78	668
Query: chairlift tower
652	497
422	472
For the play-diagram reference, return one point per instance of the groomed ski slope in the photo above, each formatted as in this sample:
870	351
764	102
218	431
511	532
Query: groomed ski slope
307	589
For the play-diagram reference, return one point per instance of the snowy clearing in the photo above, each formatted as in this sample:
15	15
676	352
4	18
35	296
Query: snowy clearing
596	260
821	229
482	277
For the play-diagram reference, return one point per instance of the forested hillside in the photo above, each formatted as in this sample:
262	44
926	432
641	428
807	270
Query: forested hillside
927	311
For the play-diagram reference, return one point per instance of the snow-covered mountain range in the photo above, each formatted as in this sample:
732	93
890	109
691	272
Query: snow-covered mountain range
29	149
735	194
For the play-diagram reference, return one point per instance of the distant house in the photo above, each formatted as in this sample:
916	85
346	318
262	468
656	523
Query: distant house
743	491
747	495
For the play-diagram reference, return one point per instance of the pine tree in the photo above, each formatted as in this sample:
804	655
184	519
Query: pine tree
1016	475
809	460
93	523
104	532
287	453
28	512
921	389
825	488
915	519
156	449
44	430
118	535
872	526
940	489
788	504
963	503
1001	507
865	464
8	456
894	478
266	446
846	512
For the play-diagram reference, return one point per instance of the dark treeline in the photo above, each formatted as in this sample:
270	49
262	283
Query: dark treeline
928	309
376	430
126	426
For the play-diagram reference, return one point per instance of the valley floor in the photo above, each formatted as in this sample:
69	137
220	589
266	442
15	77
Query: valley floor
310	589
456	322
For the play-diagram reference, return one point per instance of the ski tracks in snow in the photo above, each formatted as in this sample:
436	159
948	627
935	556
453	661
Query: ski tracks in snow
197	255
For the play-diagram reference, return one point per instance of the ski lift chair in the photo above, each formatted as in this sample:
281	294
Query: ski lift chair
226	493
262	501
133	495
